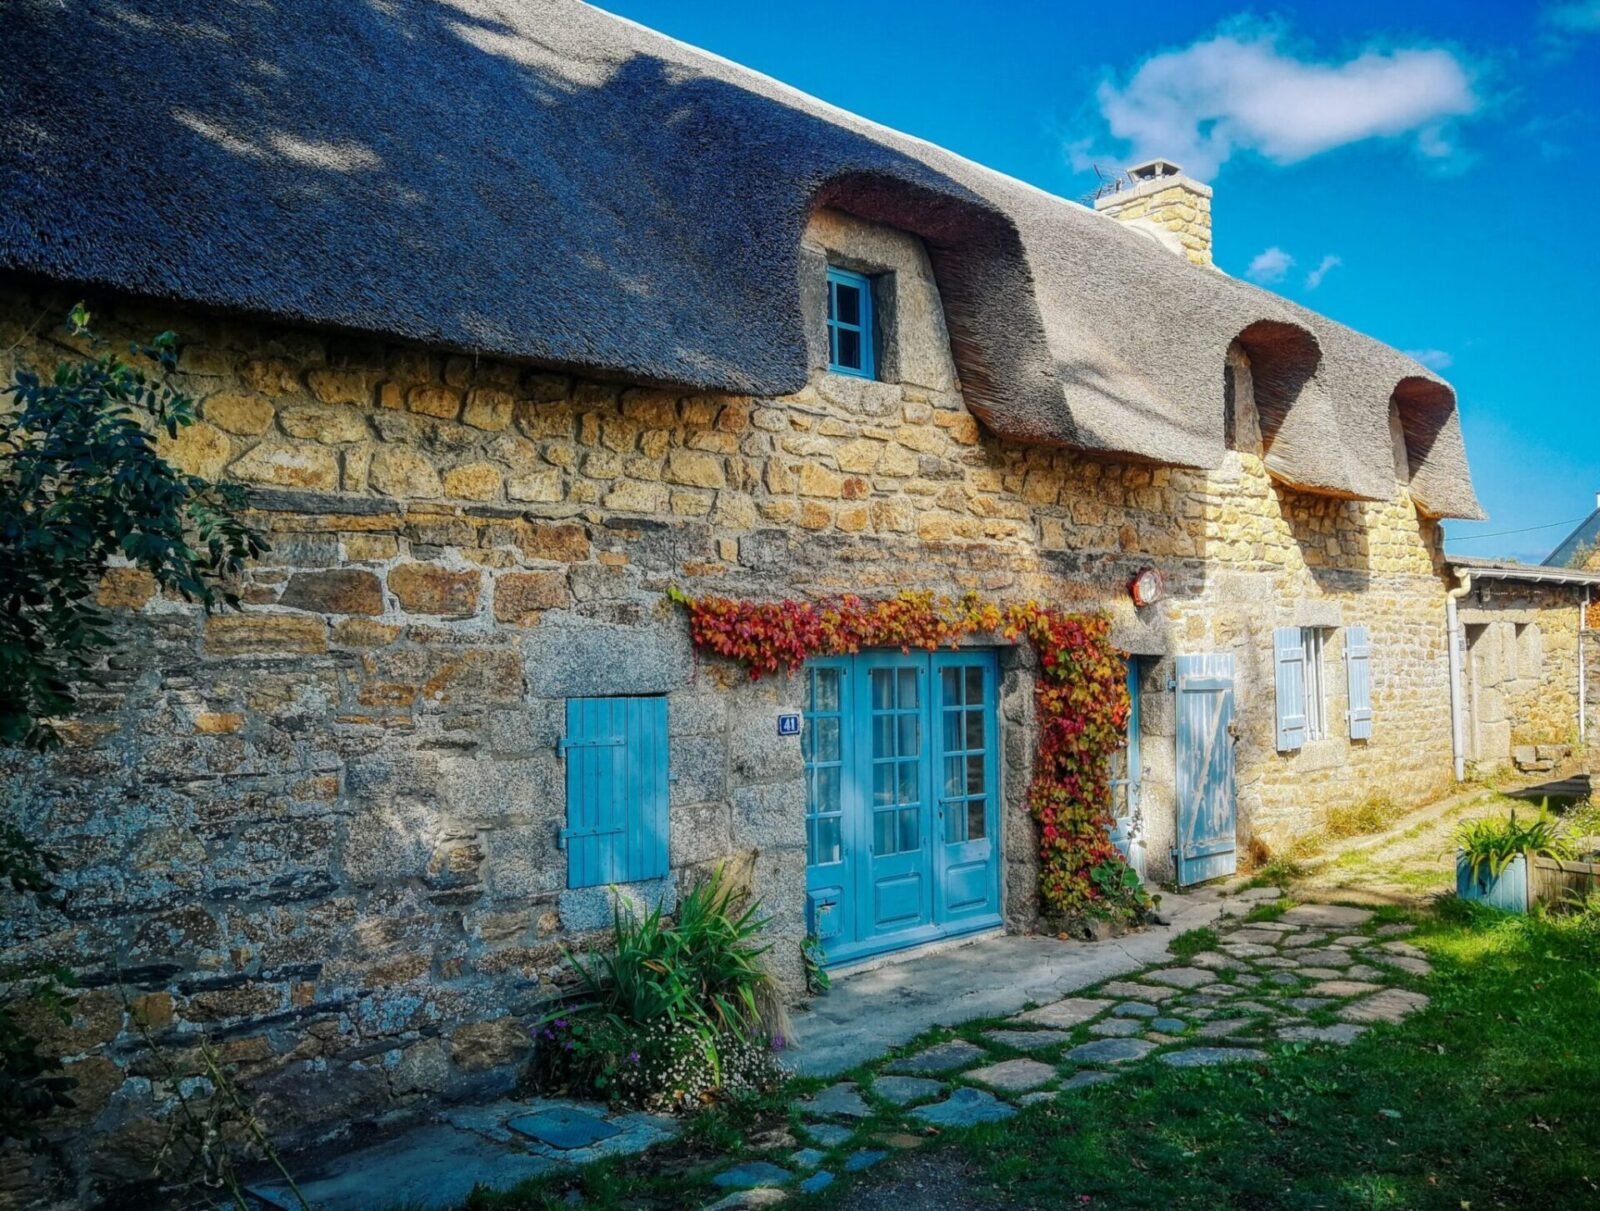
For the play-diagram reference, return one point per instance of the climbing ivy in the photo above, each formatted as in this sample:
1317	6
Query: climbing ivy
1082	700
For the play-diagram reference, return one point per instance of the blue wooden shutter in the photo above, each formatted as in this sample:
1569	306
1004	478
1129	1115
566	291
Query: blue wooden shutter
1289	659
616	754
1358	680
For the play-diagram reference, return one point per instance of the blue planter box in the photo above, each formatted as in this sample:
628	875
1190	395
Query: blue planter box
1507	891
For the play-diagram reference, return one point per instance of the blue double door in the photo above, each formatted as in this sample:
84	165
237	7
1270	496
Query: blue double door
902	799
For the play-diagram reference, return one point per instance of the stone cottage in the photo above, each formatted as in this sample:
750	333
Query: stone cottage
1525	646
515	315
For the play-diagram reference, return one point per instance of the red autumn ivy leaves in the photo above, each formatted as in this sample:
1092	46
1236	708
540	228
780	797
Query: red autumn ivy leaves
1082	700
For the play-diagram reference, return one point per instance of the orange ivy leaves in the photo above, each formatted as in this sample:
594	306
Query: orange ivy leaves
1082	702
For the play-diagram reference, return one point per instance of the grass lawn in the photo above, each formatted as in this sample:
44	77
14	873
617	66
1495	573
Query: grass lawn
1487	1099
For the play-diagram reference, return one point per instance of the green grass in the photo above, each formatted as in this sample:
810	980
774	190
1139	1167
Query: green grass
1191	942
1484	1100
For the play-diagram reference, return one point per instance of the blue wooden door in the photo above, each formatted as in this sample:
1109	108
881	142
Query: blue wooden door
897	777
902	799
966	874
1206	843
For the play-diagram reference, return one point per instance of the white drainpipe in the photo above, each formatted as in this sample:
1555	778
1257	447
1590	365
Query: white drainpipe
1458	736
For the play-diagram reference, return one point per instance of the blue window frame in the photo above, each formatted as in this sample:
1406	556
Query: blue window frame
850	323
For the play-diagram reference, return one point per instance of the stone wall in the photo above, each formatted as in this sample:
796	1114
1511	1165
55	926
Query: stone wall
323	831
1174	207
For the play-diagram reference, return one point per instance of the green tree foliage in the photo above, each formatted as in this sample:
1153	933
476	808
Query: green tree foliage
81	483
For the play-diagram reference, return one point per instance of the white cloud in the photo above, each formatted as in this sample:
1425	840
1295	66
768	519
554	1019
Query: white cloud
1577	17
1324	267
1270	265
1243	92
1436	360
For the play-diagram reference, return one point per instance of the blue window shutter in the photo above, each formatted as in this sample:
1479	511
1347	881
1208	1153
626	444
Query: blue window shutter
616	754
1358	680
1289	660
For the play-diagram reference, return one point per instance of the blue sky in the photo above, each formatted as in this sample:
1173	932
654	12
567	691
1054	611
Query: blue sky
1424	172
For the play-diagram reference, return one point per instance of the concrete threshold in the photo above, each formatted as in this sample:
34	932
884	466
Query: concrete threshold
881	1004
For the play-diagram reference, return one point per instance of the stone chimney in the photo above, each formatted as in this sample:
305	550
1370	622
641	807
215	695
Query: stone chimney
1172	209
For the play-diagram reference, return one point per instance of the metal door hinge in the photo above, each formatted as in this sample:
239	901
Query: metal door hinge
590	742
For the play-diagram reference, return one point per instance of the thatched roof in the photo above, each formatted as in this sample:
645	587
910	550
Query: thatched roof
540	180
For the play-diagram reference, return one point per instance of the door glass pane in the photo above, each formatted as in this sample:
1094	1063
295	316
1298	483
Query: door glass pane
882	689
974	684
883	838
909	830
824	689
883	784
974	729
825	789
909	698
825	737
910	736
950	686
825	841
908	790
883	736
977	820
953	741
975	774
952	777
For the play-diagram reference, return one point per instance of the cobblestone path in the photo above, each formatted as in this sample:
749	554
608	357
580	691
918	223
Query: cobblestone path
1314	974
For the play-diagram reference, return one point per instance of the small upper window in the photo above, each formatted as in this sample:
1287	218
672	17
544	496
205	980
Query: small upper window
849	323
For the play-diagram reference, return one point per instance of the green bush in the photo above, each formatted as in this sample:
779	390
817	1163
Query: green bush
679	1011
1491	843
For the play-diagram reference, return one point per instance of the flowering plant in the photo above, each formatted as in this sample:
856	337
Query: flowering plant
1082	700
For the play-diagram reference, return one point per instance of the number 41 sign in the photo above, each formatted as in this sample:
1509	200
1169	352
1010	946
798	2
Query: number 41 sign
788	725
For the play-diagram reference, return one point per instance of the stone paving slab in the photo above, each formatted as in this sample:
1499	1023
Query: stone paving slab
1027	1040
1064	1013
965	1108
1126	989
1334	916
1110	1051
1181	977
1343	988
837	1101
1117	1028
817	1182
944	1057
1343	1034
806	1158
750	1175
1390	1005
829	1135
1135	1009
903	1090
1416	967
1168	1026
1013	1076
864	1159
1205	1057
432	1168
1212	960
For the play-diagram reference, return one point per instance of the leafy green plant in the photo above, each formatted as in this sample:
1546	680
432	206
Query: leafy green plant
677	1009
1490	843
82	483
818	981
1191	942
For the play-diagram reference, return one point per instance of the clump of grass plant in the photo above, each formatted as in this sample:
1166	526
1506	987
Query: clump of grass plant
680	1011
1489	844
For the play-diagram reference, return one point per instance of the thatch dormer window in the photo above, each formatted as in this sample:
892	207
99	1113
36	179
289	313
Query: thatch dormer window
850	329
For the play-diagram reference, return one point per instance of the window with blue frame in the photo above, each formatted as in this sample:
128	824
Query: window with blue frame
850	348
